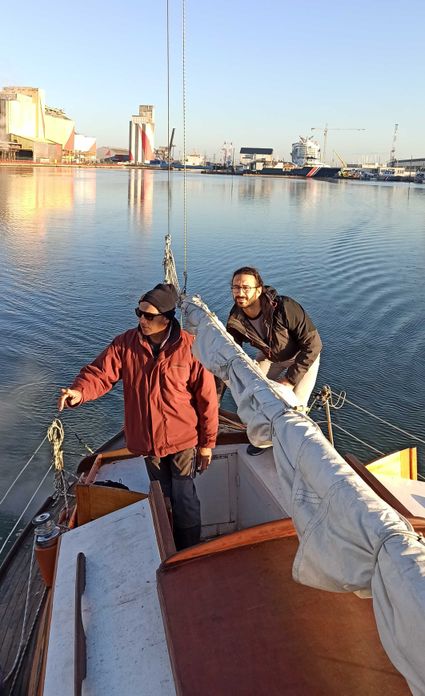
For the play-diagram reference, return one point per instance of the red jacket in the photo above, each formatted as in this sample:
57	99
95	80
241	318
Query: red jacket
170	402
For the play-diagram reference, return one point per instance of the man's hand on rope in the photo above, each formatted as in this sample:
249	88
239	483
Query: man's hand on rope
203	458
68	398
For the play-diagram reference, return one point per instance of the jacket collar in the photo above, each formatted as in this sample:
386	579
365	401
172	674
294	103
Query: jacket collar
169	344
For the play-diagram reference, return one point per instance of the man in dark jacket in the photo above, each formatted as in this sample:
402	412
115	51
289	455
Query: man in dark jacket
170	403
289	344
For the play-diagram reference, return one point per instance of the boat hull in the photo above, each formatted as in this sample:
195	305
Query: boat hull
305	172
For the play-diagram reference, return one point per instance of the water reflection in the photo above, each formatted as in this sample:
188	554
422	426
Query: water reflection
140	196
39	193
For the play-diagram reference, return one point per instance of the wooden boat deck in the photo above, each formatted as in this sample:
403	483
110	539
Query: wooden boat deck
262	633
13	587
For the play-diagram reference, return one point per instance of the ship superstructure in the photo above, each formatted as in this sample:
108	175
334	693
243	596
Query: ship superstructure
306	152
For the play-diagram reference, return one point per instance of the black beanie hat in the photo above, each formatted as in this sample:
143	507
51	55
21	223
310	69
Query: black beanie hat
163	296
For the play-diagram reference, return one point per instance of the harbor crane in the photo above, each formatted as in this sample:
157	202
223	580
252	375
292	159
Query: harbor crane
343	162
228	154
392	153
170	145
325	136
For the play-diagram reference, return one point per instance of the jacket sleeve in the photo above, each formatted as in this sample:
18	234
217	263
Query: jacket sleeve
97	378
307	337
204	392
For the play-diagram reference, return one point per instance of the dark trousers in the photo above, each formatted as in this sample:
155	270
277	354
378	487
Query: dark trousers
175	473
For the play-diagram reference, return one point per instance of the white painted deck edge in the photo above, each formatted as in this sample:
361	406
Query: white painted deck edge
410	493
131	472
126	647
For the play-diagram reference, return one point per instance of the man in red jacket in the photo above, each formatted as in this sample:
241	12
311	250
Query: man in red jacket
170	403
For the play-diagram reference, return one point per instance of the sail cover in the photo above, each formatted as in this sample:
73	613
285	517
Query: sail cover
350	539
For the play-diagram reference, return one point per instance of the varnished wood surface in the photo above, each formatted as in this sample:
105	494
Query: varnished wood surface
13	590
161	521
249	629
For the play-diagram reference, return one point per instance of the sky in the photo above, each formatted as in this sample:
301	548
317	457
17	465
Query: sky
257	74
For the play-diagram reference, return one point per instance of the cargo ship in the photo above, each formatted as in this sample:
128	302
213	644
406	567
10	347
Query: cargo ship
306	162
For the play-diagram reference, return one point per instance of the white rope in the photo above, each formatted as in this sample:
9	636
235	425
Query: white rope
23	469
382	420
56	434
26	508
170	272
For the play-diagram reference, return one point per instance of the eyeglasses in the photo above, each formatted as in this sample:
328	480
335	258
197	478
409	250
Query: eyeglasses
148	315
243	288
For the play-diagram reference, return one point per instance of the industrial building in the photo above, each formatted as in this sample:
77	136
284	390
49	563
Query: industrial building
31	130
141	135
256	157
112	155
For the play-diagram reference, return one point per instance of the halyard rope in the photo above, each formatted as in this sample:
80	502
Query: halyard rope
168	118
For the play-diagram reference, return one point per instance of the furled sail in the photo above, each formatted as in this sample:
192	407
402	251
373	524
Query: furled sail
350	539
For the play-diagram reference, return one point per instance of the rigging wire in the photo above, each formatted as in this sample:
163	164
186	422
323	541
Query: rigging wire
184	145
363	442
168	119
347	432
23	469
382	420
26	508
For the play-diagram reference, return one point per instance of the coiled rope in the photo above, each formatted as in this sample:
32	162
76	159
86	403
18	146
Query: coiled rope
56	435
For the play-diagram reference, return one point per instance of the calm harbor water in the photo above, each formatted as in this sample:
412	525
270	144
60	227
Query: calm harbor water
78	247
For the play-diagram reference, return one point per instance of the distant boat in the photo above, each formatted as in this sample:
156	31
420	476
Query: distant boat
318	171
305	162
